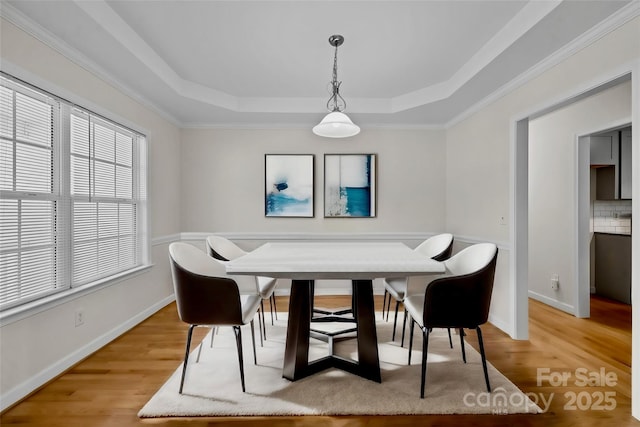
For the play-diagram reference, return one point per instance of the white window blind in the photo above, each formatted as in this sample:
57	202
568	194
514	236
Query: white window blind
102	194
72	198
28	252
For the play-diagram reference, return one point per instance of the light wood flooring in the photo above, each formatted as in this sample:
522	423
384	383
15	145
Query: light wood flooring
109	387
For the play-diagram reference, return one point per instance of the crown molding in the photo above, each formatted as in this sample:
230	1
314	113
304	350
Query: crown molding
532	13
30	27
616	20
102	13
113	24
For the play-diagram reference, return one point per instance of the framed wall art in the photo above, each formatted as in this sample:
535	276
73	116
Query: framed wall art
288	185
350	185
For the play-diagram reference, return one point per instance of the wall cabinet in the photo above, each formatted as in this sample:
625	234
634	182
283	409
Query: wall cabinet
604	149
625	163
611	157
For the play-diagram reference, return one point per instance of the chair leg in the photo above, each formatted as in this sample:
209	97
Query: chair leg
404	327
199	351
275	306
186	356
271	309
264	324
260	328
464	355
384	302
425	353
395	321
238	333
388	306
450	342
411	340
484	359
253	340
214	331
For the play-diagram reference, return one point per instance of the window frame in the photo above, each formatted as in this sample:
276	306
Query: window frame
61	193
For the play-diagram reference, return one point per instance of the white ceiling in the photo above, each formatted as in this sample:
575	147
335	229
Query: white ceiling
268	63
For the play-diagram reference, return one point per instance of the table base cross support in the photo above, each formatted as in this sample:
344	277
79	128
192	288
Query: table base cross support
296	354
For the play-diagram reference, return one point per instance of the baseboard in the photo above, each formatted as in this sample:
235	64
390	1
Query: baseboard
35	382
500	324
19	392
568	308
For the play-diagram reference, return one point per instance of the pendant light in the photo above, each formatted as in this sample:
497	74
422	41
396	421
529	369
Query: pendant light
336	124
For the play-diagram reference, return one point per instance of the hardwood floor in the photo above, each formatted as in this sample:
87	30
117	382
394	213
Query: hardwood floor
109	387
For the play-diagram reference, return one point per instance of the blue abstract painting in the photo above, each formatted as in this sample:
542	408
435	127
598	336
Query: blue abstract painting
350	185
289	185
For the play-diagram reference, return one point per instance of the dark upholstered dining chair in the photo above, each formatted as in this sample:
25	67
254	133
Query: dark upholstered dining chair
437	247
460	300
207	296
224	249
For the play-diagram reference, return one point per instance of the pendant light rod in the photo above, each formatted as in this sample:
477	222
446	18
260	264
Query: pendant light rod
336	102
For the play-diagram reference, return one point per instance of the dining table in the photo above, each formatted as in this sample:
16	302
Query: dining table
360	262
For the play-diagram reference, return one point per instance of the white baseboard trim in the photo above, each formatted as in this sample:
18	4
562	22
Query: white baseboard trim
568	308
30	385
500	324
338	291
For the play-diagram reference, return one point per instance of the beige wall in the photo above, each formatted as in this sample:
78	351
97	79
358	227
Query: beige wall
222	199
219	198
553	140
40	346
480	147
456	180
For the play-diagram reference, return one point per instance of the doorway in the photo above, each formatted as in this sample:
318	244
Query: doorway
559	220
609	211
520	207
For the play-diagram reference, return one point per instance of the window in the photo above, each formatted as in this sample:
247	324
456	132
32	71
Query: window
72	196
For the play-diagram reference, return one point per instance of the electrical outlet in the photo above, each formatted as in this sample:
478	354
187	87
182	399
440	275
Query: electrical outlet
503	220
555	282
79	316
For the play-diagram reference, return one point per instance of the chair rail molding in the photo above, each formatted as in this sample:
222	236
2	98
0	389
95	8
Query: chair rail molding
166	239
342	236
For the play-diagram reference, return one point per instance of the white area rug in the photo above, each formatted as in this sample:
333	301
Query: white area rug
212	386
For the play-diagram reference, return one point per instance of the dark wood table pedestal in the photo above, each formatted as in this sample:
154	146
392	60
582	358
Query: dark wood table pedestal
296	354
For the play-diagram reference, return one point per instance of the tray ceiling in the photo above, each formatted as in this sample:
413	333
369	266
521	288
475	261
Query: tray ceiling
268	63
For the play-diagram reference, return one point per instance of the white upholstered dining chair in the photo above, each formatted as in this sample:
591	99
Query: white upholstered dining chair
207	296
223	249
437	247
459	299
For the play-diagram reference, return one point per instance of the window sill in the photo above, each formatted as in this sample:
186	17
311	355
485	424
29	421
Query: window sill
29	309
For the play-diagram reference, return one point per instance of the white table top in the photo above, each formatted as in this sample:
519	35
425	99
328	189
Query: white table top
334	260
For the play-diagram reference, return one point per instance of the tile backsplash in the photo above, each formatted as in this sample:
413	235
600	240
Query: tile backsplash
612	216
